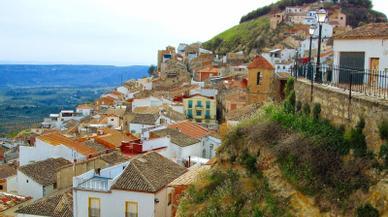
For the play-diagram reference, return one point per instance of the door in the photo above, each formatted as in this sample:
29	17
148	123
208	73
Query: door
351	62
374	70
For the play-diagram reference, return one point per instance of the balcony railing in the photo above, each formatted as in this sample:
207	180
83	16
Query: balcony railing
366	82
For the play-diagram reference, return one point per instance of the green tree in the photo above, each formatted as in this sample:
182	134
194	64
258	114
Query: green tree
152	70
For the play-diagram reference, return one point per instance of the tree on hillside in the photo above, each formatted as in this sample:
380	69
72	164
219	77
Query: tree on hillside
152	70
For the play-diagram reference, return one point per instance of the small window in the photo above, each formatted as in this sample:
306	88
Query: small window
199	103
190	113
207	114
199	113
112	119
169	199
131	209
27	180
208	104
258	78
1	187
94	207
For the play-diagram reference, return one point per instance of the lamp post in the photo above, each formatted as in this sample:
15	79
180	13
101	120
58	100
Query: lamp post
321	18
310	72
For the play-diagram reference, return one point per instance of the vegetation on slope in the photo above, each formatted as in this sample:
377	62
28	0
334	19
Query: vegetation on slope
248	36
310	153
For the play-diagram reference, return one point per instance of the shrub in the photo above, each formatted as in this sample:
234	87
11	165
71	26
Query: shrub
367	210
384	154
306	109
298	106
289	103
383	129
316	111
289	86
355	139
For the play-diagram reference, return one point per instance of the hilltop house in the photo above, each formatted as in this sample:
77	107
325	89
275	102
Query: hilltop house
39	179
200	108
55	145
206	73
363	48
134	188
143	121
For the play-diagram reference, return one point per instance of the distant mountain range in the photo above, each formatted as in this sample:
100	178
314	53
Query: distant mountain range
20	75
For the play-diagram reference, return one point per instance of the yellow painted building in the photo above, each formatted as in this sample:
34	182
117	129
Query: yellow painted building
260	80
200	108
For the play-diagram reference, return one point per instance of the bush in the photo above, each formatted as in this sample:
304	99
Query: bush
298	106
316	111
367	211
383	129
289	103
384	154
355	139
306	109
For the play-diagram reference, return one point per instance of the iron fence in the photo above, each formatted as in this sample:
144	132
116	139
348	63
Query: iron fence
366	82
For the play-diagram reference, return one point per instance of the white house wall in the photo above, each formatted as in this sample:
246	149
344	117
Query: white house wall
43	151
113	204
372	48
28	187
12	185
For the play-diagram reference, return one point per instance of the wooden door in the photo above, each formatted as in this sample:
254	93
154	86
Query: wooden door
374	70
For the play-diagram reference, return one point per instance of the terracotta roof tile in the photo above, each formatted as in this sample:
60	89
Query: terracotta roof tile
56	138
177	137
191	129
190	176
148	173
57	205
112	138
260	62
6	171
148	119
368	31
44	172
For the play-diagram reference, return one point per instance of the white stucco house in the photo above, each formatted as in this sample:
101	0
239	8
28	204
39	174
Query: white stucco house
363	48
39	179
8	179
127	189
54	145
146	102
84	109
143	121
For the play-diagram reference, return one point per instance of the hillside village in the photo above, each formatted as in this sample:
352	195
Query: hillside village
137	149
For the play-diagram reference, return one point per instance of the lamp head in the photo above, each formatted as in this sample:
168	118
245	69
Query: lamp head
321	15
312	29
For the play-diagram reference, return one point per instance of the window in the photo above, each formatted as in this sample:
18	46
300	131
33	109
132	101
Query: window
1	187
199	103
207	114
199	113
131	209
208	104
27	180
190	103
94	207
169	199
190	113
258	78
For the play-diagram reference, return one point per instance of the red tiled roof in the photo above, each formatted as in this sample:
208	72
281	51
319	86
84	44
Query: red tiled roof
209	69
191	129
56	138
369	31
260	62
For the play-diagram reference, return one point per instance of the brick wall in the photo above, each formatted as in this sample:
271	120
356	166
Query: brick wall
337	108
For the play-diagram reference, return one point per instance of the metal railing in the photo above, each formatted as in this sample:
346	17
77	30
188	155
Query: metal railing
366	82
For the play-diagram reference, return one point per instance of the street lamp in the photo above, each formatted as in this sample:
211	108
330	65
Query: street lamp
311	32
321	18
310	73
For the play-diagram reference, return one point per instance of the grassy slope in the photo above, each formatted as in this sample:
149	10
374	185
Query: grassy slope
244	36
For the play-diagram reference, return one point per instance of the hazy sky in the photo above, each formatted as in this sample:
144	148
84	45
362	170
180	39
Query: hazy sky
118	32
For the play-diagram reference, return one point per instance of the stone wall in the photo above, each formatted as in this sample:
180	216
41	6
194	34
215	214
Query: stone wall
337	108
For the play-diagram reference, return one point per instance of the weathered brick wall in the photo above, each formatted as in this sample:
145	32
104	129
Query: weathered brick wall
337	108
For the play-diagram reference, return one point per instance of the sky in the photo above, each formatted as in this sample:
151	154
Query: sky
114	32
